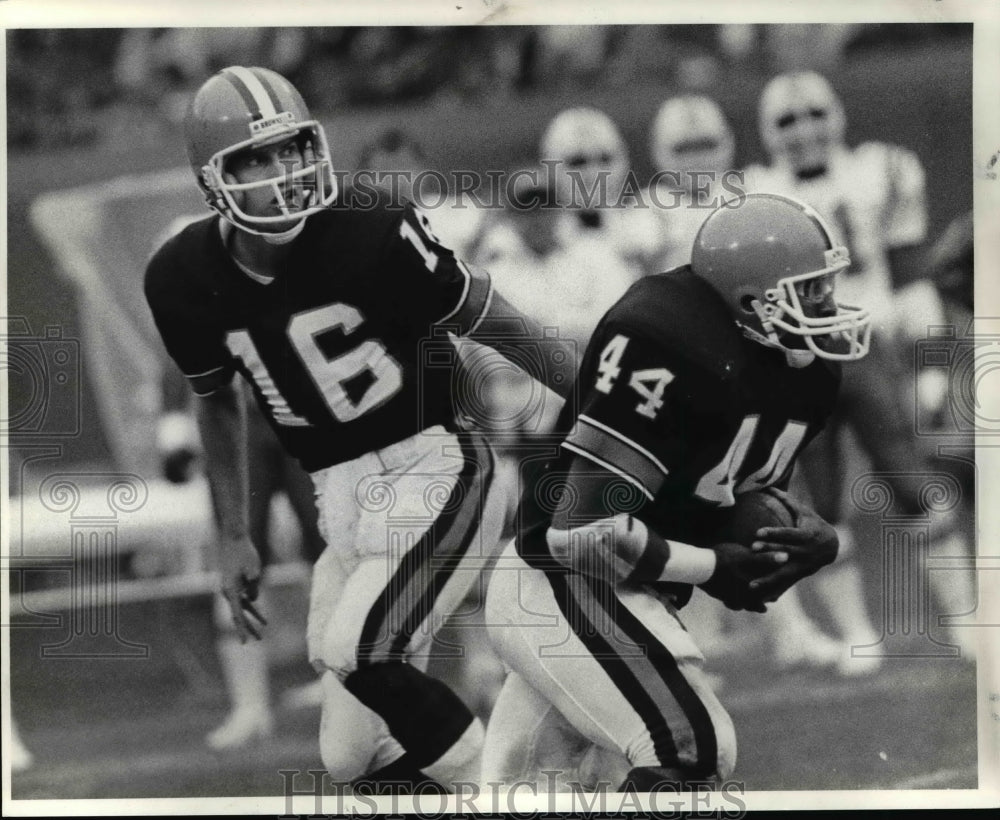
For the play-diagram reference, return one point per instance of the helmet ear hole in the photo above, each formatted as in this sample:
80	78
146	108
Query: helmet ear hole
746	303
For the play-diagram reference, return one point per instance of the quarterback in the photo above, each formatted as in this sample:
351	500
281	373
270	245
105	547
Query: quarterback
700	385
326	305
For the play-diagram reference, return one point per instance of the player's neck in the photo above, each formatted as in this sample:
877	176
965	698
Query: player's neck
255	255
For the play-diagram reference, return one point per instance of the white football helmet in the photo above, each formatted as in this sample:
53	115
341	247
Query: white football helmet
801	120
585	144
690	134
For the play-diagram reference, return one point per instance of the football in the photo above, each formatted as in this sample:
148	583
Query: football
739	523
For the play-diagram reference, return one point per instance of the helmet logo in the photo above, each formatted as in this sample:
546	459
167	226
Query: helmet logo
271	125
836	256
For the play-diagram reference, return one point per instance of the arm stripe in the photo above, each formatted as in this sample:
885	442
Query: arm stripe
208	383
206	373
644	472
465	291
475	302
607	466
482	314
585	418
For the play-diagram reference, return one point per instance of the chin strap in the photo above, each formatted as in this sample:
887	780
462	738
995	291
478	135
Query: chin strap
284	237
794	357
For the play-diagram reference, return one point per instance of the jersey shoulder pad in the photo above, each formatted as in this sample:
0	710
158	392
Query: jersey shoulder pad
685	317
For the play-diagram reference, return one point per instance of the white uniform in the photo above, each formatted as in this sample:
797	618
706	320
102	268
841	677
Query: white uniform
377	590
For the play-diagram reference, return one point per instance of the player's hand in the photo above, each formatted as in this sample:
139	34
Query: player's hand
809	546
736	568
240	585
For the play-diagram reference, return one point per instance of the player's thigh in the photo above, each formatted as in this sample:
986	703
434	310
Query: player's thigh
338	524
622	670
421	540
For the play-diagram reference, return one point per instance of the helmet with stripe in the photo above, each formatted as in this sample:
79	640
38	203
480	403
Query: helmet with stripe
774	261
241	109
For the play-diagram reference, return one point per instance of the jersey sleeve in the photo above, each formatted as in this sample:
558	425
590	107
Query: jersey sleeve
193	341
637	401
905	214
438	288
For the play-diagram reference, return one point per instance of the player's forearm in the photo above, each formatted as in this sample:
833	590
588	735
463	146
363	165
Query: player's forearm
548	359
623	549
222	422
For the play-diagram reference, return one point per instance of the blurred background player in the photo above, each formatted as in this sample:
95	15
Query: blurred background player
272	474
588	160
875	197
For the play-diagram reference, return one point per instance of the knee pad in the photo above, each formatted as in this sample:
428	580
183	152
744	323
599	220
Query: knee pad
423	714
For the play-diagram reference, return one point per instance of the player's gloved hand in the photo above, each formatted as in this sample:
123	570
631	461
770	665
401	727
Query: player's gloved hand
736	568
241	571
809	546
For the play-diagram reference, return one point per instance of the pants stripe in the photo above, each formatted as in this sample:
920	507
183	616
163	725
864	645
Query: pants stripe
575	598
658	661
455	542
408	598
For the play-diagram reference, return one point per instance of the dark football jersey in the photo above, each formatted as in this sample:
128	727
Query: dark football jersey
683	408
346	347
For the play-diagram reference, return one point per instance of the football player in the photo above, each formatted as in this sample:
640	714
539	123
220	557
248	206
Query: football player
336	310
693	149
701	384
587	164
874	195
